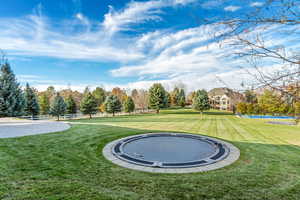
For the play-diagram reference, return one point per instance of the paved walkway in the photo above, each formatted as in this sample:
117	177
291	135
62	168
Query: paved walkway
10	127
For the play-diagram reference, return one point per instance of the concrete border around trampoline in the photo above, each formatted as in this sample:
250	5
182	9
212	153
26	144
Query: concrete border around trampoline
233	156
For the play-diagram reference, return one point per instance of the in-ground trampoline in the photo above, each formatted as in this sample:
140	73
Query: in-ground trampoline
171	153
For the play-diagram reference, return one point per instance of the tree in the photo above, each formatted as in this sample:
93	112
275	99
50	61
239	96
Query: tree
44	103
297	111
121	94
167	100
88	105
201	101
100	95
190	98
269	102
102	108
11	95
140	98
157	97
50	92
58	106
175	96
112	104
250	35
71	107
129	105
250	96
242	108
31	103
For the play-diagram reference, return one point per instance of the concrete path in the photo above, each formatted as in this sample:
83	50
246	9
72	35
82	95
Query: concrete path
10	127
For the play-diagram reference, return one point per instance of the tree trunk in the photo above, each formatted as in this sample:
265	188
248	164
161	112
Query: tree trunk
157	111
57	117
113	114
90	116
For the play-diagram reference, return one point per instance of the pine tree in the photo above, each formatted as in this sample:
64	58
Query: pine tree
129	105
11	95
181	101
112	104
88	105
44	103
71	107
168	100
201	101
181	98
58	106
31	103
157	97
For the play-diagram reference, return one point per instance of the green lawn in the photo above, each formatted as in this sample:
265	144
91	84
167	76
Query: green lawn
69	165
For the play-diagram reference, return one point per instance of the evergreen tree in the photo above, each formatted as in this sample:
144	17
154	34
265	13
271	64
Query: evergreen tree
181	98
88	105
157	97
112	104
201	101
11	95
129	105
44	103
58	106
99	94
182	101
71	107
168	100
31	103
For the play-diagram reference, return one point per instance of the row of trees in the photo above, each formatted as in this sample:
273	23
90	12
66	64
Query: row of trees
15	102
270	102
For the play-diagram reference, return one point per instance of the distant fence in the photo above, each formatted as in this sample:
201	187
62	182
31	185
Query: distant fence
80	115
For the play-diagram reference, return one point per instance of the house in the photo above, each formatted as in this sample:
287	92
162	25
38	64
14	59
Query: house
224	98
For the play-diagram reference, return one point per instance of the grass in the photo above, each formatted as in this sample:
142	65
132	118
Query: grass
69	165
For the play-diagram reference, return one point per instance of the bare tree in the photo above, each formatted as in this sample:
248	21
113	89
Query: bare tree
248	35
140	99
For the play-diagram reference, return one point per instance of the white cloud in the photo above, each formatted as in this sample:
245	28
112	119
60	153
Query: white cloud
34	36
232	8
211	4
136	13
256	4
172	54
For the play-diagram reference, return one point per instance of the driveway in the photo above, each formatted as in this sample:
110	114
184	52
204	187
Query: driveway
10	127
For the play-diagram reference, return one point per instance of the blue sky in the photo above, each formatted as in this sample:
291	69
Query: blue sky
129	44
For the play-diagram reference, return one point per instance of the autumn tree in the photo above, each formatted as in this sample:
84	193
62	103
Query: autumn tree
121	94
242	108
44	103
141	99
269	102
